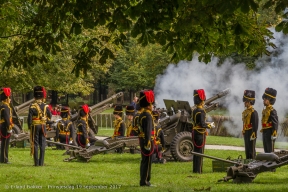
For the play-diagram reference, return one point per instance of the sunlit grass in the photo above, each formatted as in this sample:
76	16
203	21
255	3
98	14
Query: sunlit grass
120	172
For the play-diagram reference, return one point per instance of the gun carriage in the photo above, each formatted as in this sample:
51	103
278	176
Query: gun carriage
246	173
19	135
177	128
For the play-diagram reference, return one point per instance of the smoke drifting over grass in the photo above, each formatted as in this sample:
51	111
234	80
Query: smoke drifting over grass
179	81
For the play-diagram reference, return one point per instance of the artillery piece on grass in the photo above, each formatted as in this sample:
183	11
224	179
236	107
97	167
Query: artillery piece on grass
246	173
51	133
101	146
177	129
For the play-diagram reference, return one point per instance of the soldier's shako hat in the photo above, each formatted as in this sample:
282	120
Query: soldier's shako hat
39	92
64	111
199	96
155	114
5	93
249	95
118	110
270	94
84	110
146	98
130	110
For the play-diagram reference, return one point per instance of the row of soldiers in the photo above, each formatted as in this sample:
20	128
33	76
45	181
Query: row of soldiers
250	120
39	116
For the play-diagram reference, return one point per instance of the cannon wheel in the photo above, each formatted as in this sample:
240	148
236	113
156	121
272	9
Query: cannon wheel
181	147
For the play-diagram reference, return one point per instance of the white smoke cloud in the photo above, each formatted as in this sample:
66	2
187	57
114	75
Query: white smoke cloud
179	81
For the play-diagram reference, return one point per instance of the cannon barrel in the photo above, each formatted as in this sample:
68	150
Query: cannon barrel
65	145
117	95
215	158
217	96
24	106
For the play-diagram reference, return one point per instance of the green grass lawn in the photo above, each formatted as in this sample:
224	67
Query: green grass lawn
120	172
215	140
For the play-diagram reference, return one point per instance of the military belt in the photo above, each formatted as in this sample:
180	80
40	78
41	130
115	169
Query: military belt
64	133
266	125
247	127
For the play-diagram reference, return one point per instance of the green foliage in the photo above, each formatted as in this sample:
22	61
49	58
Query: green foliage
215	27
136	67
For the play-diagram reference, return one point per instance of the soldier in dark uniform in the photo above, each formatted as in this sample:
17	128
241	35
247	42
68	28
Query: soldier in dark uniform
146	143
6	124
83	129
159	140
129	114
135	124
65	128
250	124
38	116
119	125
199	129
269	120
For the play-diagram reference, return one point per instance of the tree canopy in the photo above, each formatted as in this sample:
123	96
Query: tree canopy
38	28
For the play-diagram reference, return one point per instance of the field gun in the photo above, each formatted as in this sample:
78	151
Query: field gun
177	126
96	109
101	146
246	173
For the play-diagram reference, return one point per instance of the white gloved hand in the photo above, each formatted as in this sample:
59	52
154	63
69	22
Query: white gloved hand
212	125
273	137
9	131
88	145
70	142
51	139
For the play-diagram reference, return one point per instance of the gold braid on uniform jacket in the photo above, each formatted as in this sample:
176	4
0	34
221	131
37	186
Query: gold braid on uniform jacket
129	128
117	124
246	115
266	113
10	113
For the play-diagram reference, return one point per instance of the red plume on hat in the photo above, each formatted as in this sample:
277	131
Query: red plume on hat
149	96
85	108
201	94
7	91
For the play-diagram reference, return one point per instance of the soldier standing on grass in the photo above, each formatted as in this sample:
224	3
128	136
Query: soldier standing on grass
269	120
159	140
65	127
250	124
83	129
146	143
38	116
129	114
119	125
6	124
199	129
139	110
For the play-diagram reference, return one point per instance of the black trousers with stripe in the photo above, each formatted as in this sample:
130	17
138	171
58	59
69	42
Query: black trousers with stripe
199	140
39	142
250	151
268	144
146	161
4	145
